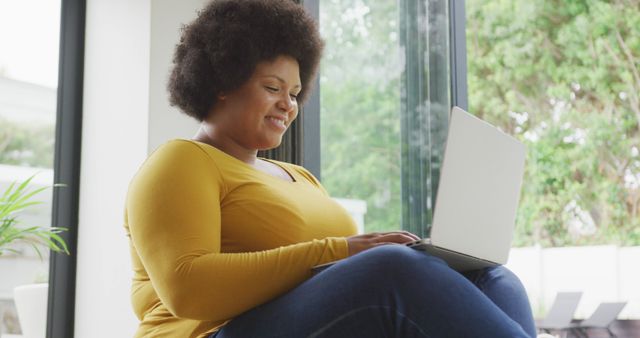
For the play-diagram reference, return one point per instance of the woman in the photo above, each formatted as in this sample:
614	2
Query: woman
223	242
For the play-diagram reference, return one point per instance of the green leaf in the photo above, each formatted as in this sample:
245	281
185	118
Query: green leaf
16	199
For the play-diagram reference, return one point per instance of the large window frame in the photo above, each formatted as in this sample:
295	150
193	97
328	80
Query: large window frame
305	140
458	45
301	146
426	102
66	168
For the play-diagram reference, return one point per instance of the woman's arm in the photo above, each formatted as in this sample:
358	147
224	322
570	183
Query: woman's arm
173	211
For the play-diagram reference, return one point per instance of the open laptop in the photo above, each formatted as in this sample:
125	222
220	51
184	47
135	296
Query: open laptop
475	208
478	194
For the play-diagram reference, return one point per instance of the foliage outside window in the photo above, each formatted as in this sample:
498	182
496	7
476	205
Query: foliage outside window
564	77
29	36
26	144
360	103
384	106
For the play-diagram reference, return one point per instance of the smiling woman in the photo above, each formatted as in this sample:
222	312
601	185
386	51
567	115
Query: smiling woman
223	242
256	115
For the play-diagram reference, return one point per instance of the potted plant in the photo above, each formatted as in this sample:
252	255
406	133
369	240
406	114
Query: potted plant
30	300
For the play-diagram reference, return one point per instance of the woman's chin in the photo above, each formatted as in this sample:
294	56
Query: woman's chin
271	144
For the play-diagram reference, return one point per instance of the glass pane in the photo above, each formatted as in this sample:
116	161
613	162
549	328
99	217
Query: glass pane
425	107
29	37
360	107
384	74
574	102
564	78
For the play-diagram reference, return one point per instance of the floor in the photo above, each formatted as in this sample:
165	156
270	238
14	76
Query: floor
621	328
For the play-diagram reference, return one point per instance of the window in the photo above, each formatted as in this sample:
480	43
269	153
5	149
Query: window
52	21
29	35
563	78
384	103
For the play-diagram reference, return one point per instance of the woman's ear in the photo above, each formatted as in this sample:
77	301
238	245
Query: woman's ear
222	96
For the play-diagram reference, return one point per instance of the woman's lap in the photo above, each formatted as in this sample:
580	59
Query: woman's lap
393	291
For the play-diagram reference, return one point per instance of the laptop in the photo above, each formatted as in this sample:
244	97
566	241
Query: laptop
477	199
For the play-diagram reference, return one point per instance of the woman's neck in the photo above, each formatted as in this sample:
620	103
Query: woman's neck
227	145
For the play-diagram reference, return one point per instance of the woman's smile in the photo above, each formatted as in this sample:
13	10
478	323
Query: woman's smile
277	122
256	115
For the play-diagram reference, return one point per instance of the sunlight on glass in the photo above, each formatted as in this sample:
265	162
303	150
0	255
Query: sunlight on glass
360	103
563	77
29	38
565	81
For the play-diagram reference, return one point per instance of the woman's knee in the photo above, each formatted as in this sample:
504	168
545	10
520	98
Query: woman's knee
500	278
501	273
394	260
394	271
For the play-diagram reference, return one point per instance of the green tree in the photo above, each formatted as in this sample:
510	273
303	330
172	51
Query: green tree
563	76
360	126
24	144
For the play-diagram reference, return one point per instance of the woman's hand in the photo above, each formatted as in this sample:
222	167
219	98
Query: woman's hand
364	242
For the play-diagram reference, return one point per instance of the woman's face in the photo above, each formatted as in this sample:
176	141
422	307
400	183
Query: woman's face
256	115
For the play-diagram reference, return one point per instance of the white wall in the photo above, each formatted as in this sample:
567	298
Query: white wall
166	122
114	143
129	45
604	273
27	102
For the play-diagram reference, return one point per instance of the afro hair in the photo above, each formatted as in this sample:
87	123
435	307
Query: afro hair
220	49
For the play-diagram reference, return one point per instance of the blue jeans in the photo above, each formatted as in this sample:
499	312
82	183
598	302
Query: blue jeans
393	291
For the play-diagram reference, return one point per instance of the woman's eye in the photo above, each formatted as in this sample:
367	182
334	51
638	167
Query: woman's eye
294	96
272	89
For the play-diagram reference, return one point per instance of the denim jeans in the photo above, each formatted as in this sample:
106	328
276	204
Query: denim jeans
393	291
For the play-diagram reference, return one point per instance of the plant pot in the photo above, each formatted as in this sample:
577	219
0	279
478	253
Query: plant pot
31	304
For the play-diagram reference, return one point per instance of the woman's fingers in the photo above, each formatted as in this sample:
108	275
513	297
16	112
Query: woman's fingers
363	242
385	243
398	237
414	237
384	234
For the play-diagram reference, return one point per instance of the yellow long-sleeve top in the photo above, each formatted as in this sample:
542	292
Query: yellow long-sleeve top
212	237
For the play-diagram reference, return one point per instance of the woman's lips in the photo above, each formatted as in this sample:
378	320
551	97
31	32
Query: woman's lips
276	123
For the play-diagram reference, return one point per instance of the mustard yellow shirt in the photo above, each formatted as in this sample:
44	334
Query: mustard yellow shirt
212	237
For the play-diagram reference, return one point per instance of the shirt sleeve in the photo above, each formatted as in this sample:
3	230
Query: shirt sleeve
173	210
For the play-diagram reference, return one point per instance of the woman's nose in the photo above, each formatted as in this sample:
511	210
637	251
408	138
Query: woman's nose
286	103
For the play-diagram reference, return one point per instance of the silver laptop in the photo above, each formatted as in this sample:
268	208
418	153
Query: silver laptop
477	199
475	207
